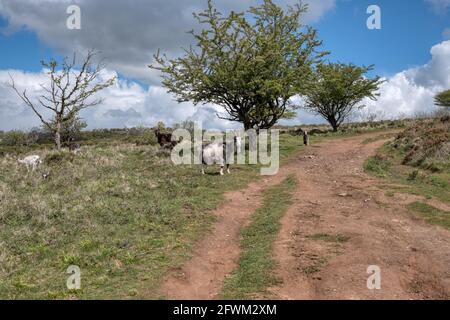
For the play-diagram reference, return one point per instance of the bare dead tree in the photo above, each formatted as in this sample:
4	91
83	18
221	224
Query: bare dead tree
69	91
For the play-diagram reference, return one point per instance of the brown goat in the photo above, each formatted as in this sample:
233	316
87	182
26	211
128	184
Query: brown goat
165	139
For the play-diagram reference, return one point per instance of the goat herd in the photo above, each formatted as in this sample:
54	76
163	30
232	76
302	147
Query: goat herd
211	153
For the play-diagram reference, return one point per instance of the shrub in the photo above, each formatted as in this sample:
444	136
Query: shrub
187	125
13	138
425	144
59	158
142	136
378	164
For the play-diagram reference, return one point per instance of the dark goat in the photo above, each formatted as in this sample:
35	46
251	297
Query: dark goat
165	139
74	148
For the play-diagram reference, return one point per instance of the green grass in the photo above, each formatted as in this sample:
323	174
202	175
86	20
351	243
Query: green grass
317	265
379	137
123	213
378	166
254	273
387	164
431	214
336	238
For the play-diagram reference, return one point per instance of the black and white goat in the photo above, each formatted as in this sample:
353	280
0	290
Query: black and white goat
75	148
220	153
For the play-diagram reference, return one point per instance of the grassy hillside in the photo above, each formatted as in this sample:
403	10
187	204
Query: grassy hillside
417	161
121	212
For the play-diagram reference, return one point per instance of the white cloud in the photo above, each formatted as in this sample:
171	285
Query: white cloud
126	104
439	6
406	93
128	33
129	104
412	91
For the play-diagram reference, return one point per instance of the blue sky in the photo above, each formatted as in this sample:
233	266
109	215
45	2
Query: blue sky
412	50
22	50
409	29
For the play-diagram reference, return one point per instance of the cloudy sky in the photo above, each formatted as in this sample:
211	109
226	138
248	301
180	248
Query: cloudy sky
412	51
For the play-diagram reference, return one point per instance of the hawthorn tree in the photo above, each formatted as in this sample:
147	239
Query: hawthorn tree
250	63
70	130
69	91
337	91
442	99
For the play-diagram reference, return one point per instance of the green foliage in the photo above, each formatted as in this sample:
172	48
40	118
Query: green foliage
141	136
338	90
187	125
250	63
443	99
59	158
377	165
426	145
18	138
389	164
69	91
124	213
13	138
161	126
70	129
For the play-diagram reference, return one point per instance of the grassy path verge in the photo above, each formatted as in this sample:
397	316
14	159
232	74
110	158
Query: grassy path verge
254	273
431	186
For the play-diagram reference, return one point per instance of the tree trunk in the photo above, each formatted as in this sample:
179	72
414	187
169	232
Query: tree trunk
58	135
253	140
333	124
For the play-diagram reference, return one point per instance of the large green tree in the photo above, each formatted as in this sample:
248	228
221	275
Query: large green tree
338	90
442	99
250	63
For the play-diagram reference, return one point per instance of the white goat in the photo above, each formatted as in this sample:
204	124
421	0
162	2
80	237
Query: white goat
31	162
220	153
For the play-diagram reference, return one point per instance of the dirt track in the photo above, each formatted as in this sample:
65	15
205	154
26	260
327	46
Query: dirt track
336	198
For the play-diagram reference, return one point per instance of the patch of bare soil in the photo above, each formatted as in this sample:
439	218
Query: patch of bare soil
216	256
341	223
364	228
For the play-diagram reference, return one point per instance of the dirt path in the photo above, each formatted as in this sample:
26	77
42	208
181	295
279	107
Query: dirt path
216	256
337	202
342	222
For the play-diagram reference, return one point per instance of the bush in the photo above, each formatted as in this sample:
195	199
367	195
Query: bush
187	125
378	165
142	136
59	158
14	138
425	144
17	138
